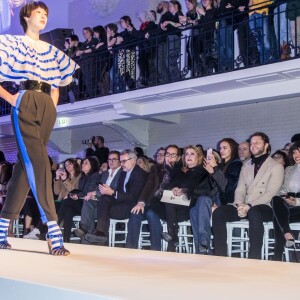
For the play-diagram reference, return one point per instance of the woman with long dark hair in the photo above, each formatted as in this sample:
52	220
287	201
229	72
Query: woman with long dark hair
286	205
218	191
86	188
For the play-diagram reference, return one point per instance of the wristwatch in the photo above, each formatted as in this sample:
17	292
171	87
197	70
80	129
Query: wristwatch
114	194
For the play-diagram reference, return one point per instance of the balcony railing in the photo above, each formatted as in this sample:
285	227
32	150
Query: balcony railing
230	42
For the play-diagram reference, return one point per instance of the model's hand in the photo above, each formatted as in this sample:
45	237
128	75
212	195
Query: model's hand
12	99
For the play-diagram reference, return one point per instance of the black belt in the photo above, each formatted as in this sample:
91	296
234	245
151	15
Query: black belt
34	85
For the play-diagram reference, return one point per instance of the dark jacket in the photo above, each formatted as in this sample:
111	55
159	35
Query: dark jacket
113	184
227	181
134	186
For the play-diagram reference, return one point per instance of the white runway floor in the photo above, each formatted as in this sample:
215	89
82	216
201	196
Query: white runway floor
93	272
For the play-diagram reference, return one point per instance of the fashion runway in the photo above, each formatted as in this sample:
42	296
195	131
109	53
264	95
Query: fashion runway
93	272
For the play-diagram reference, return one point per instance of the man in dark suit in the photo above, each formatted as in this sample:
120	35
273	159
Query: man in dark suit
89	208
117	203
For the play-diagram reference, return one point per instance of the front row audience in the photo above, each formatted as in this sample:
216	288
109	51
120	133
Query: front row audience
243	183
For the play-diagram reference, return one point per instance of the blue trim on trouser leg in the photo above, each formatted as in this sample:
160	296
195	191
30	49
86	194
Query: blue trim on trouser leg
25	156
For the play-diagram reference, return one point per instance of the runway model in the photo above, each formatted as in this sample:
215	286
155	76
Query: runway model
40	69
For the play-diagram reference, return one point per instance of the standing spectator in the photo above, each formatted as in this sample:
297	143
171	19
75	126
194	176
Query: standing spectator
259	22
101	152
293	14
103	63
147	53
87	61
260	180
5	175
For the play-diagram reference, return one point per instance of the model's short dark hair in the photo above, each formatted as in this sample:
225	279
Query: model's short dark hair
27	9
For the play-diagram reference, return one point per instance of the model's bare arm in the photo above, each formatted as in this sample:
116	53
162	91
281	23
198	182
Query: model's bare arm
11	99
55	96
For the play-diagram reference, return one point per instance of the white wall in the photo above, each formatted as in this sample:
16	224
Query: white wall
278	119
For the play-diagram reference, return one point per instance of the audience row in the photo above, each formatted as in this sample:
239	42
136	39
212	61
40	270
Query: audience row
241	181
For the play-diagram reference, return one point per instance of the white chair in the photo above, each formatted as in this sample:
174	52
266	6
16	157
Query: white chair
268	241
186	239
113	232
238	244
76	220
144	238
296	227
18	226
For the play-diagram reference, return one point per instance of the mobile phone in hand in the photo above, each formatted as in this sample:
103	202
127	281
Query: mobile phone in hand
209	153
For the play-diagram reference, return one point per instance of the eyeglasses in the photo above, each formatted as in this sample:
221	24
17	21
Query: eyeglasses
124	160
277	157
173	155
160	154
85	162
113	159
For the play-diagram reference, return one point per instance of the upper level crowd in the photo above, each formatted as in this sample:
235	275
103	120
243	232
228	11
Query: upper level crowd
170	46
238	181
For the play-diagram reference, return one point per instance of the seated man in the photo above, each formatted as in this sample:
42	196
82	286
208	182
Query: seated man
260	180
150	200
89	208
117	204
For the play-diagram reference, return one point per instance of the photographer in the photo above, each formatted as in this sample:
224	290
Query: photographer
101	152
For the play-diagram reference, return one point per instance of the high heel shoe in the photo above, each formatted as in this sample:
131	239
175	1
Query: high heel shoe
5	245
55	245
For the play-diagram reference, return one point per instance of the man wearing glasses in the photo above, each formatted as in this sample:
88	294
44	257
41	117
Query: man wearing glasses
108	178
149	206
117	203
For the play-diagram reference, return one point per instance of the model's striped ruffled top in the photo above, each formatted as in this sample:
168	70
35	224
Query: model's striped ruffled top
23	58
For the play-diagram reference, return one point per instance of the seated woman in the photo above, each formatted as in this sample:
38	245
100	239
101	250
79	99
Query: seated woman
223	181
183	183
86	188
281	157
286	205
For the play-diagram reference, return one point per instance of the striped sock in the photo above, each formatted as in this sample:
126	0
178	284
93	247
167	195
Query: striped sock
54	234
4	223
